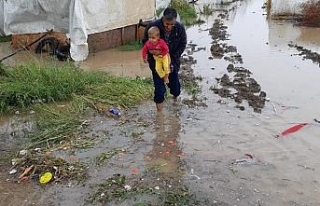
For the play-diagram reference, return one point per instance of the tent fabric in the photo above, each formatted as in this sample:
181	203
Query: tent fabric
77	18
79	49
34	16
287	7
102	15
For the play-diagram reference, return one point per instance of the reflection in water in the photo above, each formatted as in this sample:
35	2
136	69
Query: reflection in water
281	34
165	152
124	63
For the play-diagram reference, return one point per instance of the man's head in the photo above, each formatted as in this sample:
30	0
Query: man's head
169	18
154	34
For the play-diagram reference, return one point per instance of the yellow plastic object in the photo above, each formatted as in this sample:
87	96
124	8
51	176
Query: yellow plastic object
45	177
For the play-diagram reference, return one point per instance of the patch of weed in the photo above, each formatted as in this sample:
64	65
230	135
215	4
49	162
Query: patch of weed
54	125
5	38
131	46
113	189
24	85
184	9
206	10
192	87
34	85
105	156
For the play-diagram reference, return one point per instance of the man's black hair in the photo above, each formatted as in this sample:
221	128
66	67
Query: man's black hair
170	14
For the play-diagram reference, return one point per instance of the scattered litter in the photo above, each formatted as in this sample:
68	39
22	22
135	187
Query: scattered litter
274	108
46	167
220	101
127	187
181	154
115	112
257	191
196	176
23	152
135	171
157	187
45	178
281	106
37	149
26	171
291	129
13	171
306	167
246	160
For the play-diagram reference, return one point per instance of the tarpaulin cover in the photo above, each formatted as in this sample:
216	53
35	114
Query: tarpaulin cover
78	18
287	7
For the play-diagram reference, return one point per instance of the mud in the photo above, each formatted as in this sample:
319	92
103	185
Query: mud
207	148
240	86
246	88
307	53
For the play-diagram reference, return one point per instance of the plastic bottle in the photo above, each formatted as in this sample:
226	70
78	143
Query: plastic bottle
114	112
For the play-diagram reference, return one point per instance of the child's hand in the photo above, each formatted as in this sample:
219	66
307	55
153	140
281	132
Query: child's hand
166	80
145	61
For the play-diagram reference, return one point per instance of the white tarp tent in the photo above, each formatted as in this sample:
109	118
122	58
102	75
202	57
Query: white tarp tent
161	4
77	18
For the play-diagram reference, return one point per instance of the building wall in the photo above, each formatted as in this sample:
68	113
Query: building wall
109	39
96	42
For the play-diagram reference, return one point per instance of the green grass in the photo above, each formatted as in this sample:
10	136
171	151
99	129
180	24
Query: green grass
131	46
184	9
207	10
40	87
25	85
5	38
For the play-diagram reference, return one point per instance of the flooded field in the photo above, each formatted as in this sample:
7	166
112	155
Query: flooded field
225	153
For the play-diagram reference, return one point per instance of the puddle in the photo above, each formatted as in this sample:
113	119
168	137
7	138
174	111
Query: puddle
128	63
228	156
223	134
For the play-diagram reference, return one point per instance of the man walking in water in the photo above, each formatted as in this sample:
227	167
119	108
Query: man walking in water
174	34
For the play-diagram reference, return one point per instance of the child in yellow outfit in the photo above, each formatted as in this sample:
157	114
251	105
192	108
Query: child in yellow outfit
163	59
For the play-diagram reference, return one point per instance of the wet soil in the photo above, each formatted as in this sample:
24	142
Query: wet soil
240	86
213	148
307	53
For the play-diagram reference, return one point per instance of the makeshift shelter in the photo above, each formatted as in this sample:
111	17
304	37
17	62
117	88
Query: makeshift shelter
90	25
283	8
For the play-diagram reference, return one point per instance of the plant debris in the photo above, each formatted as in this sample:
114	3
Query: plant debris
34	163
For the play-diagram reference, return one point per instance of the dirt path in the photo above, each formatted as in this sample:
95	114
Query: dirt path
216	149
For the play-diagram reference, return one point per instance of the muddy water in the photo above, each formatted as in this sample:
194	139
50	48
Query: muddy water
19	57
282	171
231	157
127	63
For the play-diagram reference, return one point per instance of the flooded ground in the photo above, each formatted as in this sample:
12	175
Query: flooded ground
225	153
